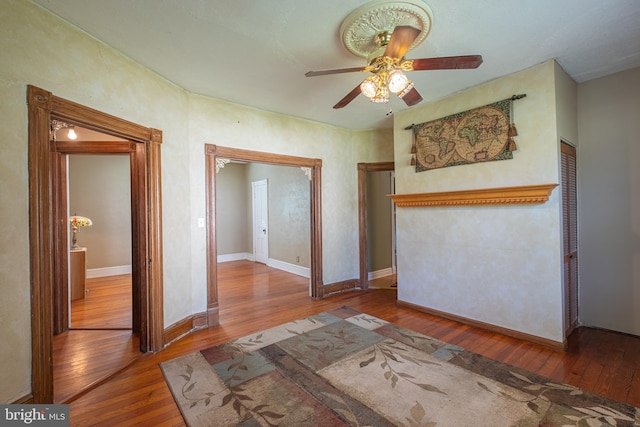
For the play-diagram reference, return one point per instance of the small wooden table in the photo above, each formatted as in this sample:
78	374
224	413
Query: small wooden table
78	272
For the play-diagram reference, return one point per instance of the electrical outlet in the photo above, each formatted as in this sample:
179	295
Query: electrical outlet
200	222
297	259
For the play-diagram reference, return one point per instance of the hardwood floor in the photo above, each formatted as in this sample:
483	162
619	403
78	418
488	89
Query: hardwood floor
97	309
99	343
385	282
254	297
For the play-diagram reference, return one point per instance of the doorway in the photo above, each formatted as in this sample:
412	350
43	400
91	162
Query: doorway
216	157
99	188
363	220
48	219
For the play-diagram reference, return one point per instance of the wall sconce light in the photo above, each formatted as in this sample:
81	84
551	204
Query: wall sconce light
56	125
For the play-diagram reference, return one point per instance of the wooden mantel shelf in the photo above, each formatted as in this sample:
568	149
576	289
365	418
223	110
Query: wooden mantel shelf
523	195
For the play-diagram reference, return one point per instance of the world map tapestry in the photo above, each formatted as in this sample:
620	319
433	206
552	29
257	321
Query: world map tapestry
479	135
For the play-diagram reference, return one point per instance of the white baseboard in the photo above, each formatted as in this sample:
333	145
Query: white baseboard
108	271
290	268
235	257
274	263
380	273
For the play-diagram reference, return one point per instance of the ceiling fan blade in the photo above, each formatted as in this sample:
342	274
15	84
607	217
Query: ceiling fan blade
348	98
412	97
401	39
447	62
336	71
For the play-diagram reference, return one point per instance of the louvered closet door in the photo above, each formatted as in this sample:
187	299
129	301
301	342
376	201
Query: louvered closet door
570	232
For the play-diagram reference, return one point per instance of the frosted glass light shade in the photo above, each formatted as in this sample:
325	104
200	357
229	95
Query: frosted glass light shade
369	87
398	81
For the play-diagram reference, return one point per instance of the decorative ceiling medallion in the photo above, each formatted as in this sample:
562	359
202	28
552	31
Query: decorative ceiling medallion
359	30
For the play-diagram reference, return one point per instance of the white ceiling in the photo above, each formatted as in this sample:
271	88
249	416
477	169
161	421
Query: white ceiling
256	52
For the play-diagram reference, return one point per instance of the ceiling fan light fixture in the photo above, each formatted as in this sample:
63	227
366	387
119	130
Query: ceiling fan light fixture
369	87
382	95
398	82
406	89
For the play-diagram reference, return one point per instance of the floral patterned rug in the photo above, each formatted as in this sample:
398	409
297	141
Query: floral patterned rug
344	367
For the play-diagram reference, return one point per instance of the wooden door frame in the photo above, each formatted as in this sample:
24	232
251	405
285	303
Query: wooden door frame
216	157
48	222
363	168
59	153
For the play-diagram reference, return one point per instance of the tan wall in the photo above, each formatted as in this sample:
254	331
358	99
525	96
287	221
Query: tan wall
99	188
609	202
232	209
379	230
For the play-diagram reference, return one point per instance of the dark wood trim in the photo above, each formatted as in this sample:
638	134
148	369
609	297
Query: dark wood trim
48	241
214	152
339	287
40	245
317	282
213	308
155	248
263	157
178	330
24	400
184	327
363	168
60	240
65	110
556	345
96	147
140	297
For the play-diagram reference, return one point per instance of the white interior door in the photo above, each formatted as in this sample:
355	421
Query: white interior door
260	221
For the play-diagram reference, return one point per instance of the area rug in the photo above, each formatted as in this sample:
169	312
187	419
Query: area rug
344	367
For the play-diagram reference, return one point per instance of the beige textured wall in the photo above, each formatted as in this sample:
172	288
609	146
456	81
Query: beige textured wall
93	74
232	209
500	265
566	106
609	202
100	189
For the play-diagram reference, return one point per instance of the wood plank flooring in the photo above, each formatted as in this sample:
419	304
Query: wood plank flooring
97	309
99	342
254	297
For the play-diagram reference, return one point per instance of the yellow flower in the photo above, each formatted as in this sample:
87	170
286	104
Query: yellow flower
79	221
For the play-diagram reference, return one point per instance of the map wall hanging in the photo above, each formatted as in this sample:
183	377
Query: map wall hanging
479	135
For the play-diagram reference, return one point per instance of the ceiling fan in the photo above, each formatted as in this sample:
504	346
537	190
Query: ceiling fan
387	68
